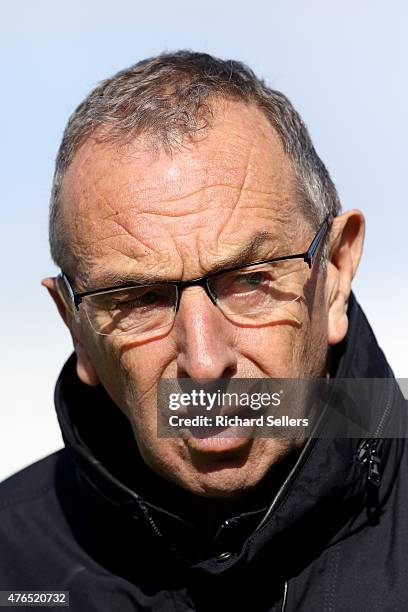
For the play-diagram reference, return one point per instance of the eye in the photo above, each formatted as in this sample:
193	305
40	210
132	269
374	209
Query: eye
253	279
242	283
149	298
248	281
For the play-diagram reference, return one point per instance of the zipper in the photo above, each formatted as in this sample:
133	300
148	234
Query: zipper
367	455
150	520
156	529
367	452
370	460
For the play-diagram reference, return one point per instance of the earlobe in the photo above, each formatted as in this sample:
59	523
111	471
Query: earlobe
346	245
337	319
85	370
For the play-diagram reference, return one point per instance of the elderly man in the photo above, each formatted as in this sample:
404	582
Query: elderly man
199	236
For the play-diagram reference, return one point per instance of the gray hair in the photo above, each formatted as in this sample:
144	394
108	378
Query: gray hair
168	97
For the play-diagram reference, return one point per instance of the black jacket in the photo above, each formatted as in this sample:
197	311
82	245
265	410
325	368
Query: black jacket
93	519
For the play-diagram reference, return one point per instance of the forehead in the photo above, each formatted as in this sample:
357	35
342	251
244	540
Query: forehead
127	207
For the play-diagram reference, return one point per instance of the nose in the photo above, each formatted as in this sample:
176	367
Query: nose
204	338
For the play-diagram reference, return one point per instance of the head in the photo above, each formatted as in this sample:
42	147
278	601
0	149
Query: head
169	170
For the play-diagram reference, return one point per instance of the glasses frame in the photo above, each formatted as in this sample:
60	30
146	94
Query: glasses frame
202	281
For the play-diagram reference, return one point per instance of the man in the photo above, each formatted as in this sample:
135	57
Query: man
182	167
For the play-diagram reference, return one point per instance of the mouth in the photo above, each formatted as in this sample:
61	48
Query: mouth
230	435
217	444
218	428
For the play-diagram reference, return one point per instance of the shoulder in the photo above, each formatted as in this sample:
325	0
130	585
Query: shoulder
29	499
35	538
30	483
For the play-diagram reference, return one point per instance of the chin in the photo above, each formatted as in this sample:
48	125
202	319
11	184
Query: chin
231	485
229	477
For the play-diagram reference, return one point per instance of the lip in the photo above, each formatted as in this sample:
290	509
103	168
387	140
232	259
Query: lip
219	439
217	443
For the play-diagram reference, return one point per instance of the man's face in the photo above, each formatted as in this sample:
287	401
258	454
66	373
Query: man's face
177	217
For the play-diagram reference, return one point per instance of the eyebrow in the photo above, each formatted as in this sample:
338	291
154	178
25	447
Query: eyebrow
111	278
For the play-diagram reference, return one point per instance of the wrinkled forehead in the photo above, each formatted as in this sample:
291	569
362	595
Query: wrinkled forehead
178	211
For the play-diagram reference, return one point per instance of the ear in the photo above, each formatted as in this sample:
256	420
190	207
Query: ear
345	249
85	369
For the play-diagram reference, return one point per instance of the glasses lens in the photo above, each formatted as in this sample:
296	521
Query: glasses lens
139	310
259	290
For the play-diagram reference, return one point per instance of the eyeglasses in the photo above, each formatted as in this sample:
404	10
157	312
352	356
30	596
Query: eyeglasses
249	295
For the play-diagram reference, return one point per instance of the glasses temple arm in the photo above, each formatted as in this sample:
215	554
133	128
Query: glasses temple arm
75	300
315	242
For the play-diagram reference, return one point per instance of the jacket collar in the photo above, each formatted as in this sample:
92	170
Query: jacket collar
100	441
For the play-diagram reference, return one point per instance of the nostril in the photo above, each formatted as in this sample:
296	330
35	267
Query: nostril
230	371
206	377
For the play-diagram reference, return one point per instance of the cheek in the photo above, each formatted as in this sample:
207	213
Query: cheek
270	349
281	349
138	370
127	371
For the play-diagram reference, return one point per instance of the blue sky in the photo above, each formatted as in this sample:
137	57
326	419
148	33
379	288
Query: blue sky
343	66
